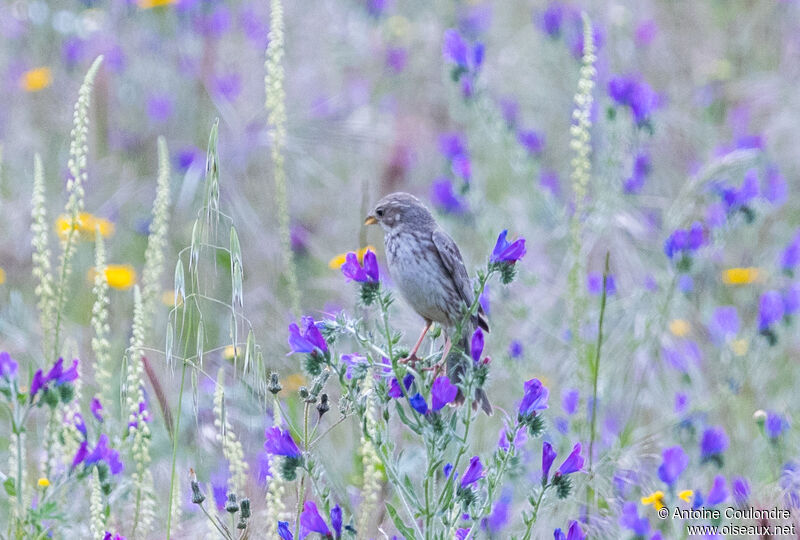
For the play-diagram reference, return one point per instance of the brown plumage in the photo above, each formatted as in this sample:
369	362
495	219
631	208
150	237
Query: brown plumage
427	267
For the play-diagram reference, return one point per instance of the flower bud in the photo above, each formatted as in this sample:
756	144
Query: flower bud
197	495
323	405
244	505
274	385
231	505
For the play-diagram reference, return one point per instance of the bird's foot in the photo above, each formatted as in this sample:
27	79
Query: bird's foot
436	368
410	359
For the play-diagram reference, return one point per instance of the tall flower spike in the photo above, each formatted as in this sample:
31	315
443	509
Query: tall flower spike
42	271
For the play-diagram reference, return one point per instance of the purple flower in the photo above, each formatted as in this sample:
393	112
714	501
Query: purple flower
630	520
445	199
159	108
455	48
791	299
452	144
775	425
97	409
376	8
103	452
280	443
396	59
505	252
442	393
355	272
311	521
770	310
56	375
552	19
351	361
515	348
548	456
80	425
143	414
447	469
532	141
186	157
473	473
631	91
681	402
740	489
714	443
573	533
394	386
549	180
573	463
462	167
509	108
534	399
641	168
336	520
594	284
518	439
791	255
80	455
645	32
724	323
569	402
476	345
8	366
498	518
228	86
674	461
418	403
284	532
774	186
718	492
215	23
462	533
308	340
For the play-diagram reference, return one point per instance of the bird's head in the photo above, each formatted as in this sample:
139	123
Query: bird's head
398	209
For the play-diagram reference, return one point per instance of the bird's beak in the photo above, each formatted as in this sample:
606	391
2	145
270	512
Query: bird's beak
371	220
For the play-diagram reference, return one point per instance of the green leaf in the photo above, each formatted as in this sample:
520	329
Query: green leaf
404	529
10	487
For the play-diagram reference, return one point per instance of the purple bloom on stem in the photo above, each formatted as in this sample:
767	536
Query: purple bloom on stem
500	513
548	456
505	252
97	409
724	323
307	340
461	167
594	284
770	309
80	425
284	532
534	399
791	299
8	366
336	520
518	439
447	469
473	473
355	272
645	32
452	145
476	345
630	520
573	533
549	180
515	348
774	186
713	443
632	92
228	86
396	59
311	520
791	255
418	403
681	402
552	19
58	376
569	401
775	425
159	108
741	489
442	393
445	199
674	461
532	141
455	48
280	443
718	492
509	108
641	168
462	533
80	455
101	452
573	463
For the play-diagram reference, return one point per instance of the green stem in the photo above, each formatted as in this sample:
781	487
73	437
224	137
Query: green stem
535	514
595	377
301	493
175	450
17	429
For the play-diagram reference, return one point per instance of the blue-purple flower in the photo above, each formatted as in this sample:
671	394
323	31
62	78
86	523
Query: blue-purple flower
279	442
473	473
8	366
770	311
548	456
534	399
740	489
368	273
312	521
573	463
466	59
505	252
633	92
532	141
718	492
57	376
476	345
97	409
791	254
418	403
774	425
573	533
673	462
641	168
724	323
307	339
102	452
284	532
445	198
629	518
713	444
442	393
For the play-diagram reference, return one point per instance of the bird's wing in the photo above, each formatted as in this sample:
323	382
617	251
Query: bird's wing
454	264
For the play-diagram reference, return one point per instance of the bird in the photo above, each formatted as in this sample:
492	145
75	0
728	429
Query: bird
428	269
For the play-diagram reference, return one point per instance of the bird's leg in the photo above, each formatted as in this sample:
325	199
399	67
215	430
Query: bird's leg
412	357
437	367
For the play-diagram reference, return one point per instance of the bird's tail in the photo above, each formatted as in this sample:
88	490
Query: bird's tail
456	364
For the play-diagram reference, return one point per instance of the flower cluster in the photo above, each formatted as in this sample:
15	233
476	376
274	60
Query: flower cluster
367	274
465	58
453	146
308	339
55	385
279	442
505	256
682	243
633	92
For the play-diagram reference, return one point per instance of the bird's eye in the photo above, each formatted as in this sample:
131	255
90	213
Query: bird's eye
379	212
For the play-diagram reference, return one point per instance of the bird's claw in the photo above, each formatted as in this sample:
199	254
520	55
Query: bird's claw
411	359
436	368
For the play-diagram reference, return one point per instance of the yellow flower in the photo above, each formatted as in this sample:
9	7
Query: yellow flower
739	347
686	495
2	276
85	225
43	482
340	259
294	381
37	79
679	327
168	299
119	276
149	4
740	276
656	499
228	352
